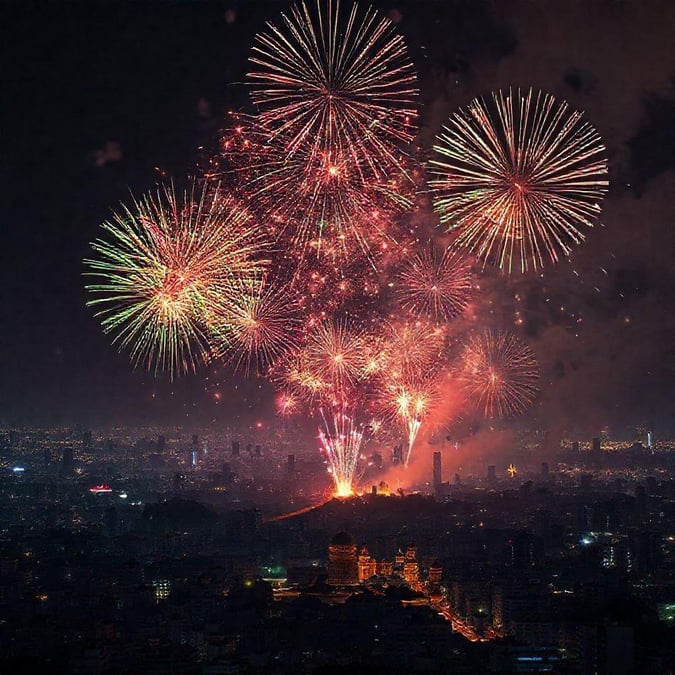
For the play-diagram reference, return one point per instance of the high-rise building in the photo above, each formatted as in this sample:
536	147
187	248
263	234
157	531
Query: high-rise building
438	477
258	451
235	448
68	461
575	446
492	474
342	561
596	445
397	454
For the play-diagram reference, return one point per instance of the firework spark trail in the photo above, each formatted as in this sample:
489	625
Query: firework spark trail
329	374
315	200
166	267
410	403
499	373
519	178
413	356
435	285
341	439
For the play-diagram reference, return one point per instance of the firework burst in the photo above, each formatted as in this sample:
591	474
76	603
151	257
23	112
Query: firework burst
166	267
335	352
435	285
498	373
412	349
335	81
258	326
336	97
519	177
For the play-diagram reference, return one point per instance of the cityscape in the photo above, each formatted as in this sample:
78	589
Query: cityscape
177	552
338	337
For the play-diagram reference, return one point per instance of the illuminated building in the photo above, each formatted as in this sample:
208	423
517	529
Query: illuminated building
342	561
435	573
367	565
162	588
385	568
411	568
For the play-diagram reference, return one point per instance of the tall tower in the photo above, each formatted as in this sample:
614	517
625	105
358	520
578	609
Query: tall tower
437	479
68	462
544	470
342	562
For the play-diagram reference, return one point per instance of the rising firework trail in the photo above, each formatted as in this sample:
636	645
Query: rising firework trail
498	373
164	268
410	404
519	177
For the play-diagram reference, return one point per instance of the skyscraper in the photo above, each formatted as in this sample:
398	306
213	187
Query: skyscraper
438	477
68	462
492	474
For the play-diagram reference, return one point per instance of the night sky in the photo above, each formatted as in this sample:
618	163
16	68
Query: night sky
79	74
